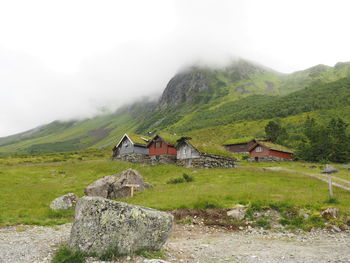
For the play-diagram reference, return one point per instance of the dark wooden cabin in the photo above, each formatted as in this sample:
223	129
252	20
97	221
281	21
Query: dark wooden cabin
131	143
266	151
162	145
241	145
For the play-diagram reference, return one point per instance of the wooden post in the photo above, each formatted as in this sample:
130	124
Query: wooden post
132	186
330	185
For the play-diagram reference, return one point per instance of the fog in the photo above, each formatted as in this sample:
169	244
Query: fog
62	60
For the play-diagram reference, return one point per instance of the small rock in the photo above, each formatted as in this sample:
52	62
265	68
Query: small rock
336	229
237	213
330	213
64	202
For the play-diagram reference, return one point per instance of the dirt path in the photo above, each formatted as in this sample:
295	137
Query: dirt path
336	181
190	243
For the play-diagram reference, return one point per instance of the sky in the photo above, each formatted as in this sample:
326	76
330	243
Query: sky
73	59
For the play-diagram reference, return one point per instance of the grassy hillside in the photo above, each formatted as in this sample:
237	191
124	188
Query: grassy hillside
28	184
212	106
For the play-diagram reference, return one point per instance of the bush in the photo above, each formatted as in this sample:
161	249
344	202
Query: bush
151	254
262	223
185	178
66	255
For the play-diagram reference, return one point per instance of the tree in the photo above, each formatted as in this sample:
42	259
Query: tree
325	143
275	132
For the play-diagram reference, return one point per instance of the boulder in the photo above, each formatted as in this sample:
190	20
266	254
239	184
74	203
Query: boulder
115	186
64	202
330	213
238	212
102	224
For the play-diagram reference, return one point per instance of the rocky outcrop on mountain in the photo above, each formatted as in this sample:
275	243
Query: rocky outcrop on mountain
185	87
102	224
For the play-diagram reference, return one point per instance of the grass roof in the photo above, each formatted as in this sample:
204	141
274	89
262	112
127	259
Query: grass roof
210	148
276	146
239	140
169	138
139	139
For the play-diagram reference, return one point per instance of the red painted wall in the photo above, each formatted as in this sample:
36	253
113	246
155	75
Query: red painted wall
265	152
281	154
163	149
268	152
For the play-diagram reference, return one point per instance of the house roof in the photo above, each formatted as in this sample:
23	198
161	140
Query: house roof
209	148
239	140
272	146
171	139
135	139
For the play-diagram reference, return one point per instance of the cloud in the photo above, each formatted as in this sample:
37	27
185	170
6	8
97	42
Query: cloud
68	59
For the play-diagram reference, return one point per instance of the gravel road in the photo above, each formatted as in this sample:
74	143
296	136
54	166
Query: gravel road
195	244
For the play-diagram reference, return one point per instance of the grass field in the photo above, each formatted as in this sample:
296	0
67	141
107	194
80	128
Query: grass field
29	184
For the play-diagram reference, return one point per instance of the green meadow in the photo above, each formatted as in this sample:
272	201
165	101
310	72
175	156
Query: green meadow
29	183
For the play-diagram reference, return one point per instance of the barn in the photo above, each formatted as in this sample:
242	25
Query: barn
162	145
267	151
241	145
131	144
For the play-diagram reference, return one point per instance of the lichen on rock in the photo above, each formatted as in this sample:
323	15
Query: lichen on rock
101	224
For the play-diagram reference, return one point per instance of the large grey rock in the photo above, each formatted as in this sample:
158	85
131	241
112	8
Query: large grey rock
101	224
64	202
114	186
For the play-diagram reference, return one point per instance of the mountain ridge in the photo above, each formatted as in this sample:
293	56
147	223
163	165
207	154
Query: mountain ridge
191	94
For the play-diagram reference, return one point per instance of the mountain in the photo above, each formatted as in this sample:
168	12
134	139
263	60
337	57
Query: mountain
212	104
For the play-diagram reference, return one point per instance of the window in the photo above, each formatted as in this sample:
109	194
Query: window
258	149
158	144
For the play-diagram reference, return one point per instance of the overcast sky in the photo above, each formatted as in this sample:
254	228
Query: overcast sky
69	59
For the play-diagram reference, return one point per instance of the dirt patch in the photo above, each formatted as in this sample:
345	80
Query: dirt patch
208	217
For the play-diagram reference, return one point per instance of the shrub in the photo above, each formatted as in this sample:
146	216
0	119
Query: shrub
151	254
185	178
262	223
66	255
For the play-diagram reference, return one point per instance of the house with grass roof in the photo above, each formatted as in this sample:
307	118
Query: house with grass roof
241	145
131	144
192	153
263	151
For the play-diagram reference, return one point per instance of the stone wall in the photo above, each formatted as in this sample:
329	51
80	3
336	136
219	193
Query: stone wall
270	159
163	159
144	158
204	161
208	161
133	158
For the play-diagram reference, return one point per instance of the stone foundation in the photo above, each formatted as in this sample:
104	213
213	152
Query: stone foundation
163	159
133	158
269	159
208	161
204	161
143	158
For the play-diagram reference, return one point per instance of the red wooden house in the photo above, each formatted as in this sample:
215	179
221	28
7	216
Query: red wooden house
267	151
162	145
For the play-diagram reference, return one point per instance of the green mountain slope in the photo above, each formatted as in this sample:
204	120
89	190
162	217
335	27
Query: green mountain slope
211	105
